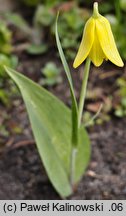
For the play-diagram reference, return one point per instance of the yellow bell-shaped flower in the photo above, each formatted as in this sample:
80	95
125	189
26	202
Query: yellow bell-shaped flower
98	42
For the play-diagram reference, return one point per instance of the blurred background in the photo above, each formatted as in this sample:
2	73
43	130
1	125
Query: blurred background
27	44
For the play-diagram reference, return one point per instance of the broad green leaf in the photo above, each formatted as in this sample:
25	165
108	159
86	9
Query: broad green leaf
51	123
48	117
74	103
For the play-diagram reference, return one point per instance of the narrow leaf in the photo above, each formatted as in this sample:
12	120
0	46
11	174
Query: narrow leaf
74	102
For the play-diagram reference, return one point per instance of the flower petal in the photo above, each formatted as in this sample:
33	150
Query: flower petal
96	54
107	41
86	43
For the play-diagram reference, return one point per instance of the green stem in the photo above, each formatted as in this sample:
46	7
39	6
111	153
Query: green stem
74	125
77	121
83	91
72	166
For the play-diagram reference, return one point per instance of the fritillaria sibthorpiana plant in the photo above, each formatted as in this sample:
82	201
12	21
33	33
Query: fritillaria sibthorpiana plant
61	138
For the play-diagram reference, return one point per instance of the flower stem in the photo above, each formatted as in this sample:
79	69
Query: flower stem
78	122
72	166
95	10
83	91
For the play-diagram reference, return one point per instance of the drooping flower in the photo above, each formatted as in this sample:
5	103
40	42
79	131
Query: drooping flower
98	42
